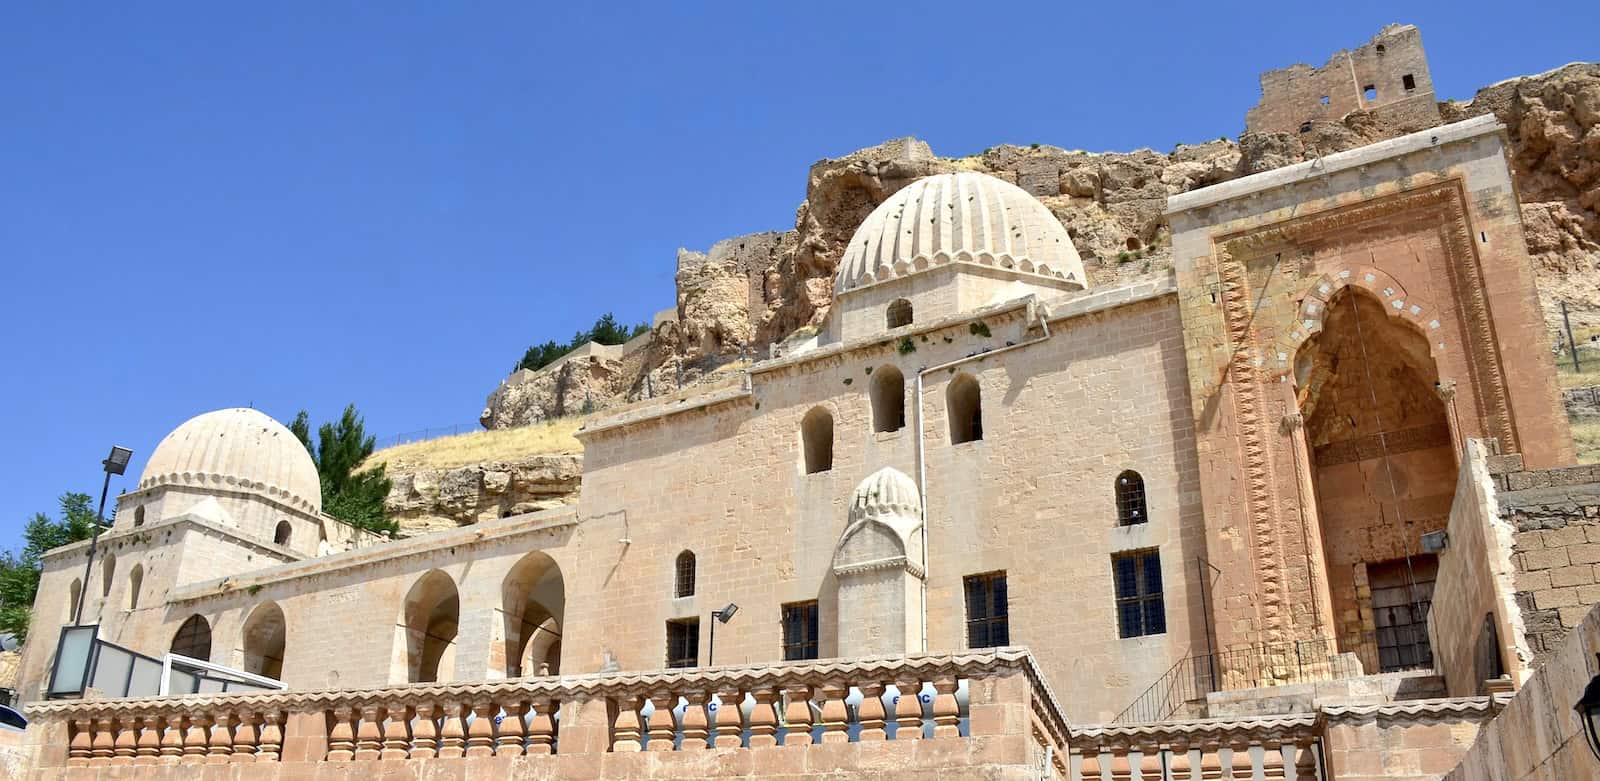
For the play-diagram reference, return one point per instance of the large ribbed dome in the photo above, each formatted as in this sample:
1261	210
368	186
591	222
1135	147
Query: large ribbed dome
958	218
237	449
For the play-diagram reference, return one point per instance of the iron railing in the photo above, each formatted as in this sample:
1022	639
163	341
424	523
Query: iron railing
1191	679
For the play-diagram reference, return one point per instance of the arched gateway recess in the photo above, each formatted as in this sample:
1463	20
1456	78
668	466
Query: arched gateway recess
428	623
533	598
263	640
1383	465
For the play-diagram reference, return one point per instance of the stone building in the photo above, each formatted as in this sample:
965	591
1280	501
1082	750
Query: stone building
991	520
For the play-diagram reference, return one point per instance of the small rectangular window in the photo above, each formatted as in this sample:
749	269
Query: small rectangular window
1369	92
683	643
1141	609
988	617
800	631
1409	82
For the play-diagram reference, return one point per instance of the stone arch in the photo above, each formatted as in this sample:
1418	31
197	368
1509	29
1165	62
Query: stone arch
816	440
429	620
683	575
108	570
963	399
533	601
888	399
282	534
877	567
193	638
74	598
263	640
135	583
898	314
1398	304
1132	506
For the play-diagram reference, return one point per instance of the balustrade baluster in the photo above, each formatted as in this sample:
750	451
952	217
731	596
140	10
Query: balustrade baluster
1210	762
126	738
194	739
341	735
1305	761
727	723
870	713
104	744
1121	770
1090	770
172	740
220	746
480	733
695	728
764	718
245	739
1241	768
270	747
1181	769
908	710
1150	763
396	732
625	728
148	746
835	715
946	710
797	715
81	746
369	735
425	732
661	727
542	727
453	733
1272	760
512	731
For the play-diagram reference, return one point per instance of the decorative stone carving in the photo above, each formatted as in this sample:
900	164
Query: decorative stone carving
878	567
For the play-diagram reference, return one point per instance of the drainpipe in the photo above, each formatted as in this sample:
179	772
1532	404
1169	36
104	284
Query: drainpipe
922	462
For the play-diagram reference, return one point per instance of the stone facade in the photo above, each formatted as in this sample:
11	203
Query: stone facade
1387	76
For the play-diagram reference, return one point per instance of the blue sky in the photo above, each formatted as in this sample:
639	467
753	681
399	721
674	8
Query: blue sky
301	205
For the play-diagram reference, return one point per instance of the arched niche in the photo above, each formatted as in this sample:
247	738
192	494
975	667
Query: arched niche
263	640
877	567
533	601
428	622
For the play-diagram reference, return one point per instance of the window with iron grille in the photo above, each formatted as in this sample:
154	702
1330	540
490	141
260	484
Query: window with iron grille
683	643
1141	610
988	620
683	584
1130	499
800	631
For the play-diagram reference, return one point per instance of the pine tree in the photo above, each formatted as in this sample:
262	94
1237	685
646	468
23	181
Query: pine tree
355	497
19	573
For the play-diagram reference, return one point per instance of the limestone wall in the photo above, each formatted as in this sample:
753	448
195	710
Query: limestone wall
1388	75
1538	735
1474	626
1556	515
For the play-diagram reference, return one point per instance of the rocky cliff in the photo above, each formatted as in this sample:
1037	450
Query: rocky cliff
426	499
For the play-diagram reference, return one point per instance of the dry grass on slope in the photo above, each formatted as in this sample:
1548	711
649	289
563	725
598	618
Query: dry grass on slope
546	438
1586	435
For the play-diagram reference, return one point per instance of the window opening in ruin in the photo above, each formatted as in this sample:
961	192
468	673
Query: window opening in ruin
963	401
108	568
264	634
888	399
1402	593
1132	243
1369	92
1380	48
135	581
281	535
1305	127
899	313
138	517
1325	100
816	434
683	584
683	643
988	613
1130	499
193	639
800	631
1409	82
1141	608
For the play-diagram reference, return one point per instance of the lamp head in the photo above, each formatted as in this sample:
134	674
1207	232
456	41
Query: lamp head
726	614
117	462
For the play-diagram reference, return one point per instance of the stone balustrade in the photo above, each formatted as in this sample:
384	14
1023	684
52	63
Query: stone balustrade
976	705
1278	747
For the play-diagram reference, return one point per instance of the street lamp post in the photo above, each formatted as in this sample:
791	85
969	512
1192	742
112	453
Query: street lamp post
722	616
115	464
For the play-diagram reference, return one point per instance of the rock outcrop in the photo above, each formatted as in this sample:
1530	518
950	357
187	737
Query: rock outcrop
425	499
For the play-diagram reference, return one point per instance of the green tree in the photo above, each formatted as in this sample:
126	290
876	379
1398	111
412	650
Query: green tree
19	572
355	497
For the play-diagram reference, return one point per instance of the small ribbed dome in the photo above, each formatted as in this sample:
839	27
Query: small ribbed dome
239	450
958	218
887	491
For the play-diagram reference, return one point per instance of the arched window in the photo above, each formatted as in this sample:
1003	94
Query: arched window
683	582
430	620
193	639
264	634
281	535
964	404
135	581
74	594
533	598
1130	499
138	516
888	399
816	434
899	313
107	569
